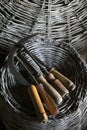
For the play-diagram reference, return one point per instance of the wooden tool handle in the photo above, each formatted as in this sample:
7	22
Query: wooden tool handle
66	82
52	91
41	114
52	107
58	85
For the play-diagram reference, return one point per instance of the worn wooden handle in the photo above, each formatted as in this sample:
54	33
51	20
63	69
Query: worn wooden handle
66	82
41	113
52	107
58	85
52	91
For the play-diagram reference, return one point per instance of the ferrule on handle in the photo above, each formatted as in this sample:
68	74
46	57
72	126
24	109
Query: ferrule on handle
41	113
66	82
52	91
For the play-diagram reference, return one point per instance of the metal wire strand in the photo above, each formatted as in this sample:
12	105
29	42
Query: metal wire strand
16	103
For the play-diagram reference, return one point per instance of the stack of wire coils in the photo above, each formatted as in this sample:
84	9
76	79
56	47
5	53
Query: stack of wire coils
16	110
61	20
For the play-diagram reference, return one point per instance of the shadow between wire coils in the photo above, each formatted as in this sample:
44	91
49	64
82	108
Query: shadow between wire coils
17	110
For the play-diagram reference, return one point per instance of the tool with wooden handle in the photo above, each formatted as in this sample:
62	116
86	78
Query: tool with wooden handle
30	69
66	81
41	113
43	118
49	102
52	107
52	91
56	83
63	91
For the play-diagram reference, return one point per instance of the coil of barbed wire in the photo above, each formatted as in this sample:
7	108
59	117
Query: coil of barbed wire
16	101
59	20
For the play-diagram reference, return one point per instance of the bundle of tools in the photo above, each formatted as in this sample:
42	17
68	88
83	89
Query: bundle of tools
51	85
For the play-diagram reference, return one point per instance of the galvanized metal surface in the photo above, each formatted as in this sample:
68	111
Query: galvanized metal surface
73	114
61	20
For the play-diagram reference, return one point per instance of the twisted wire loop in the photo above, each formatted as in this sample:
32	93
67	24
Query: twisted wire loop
65	21
16	108
17	18
54	19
